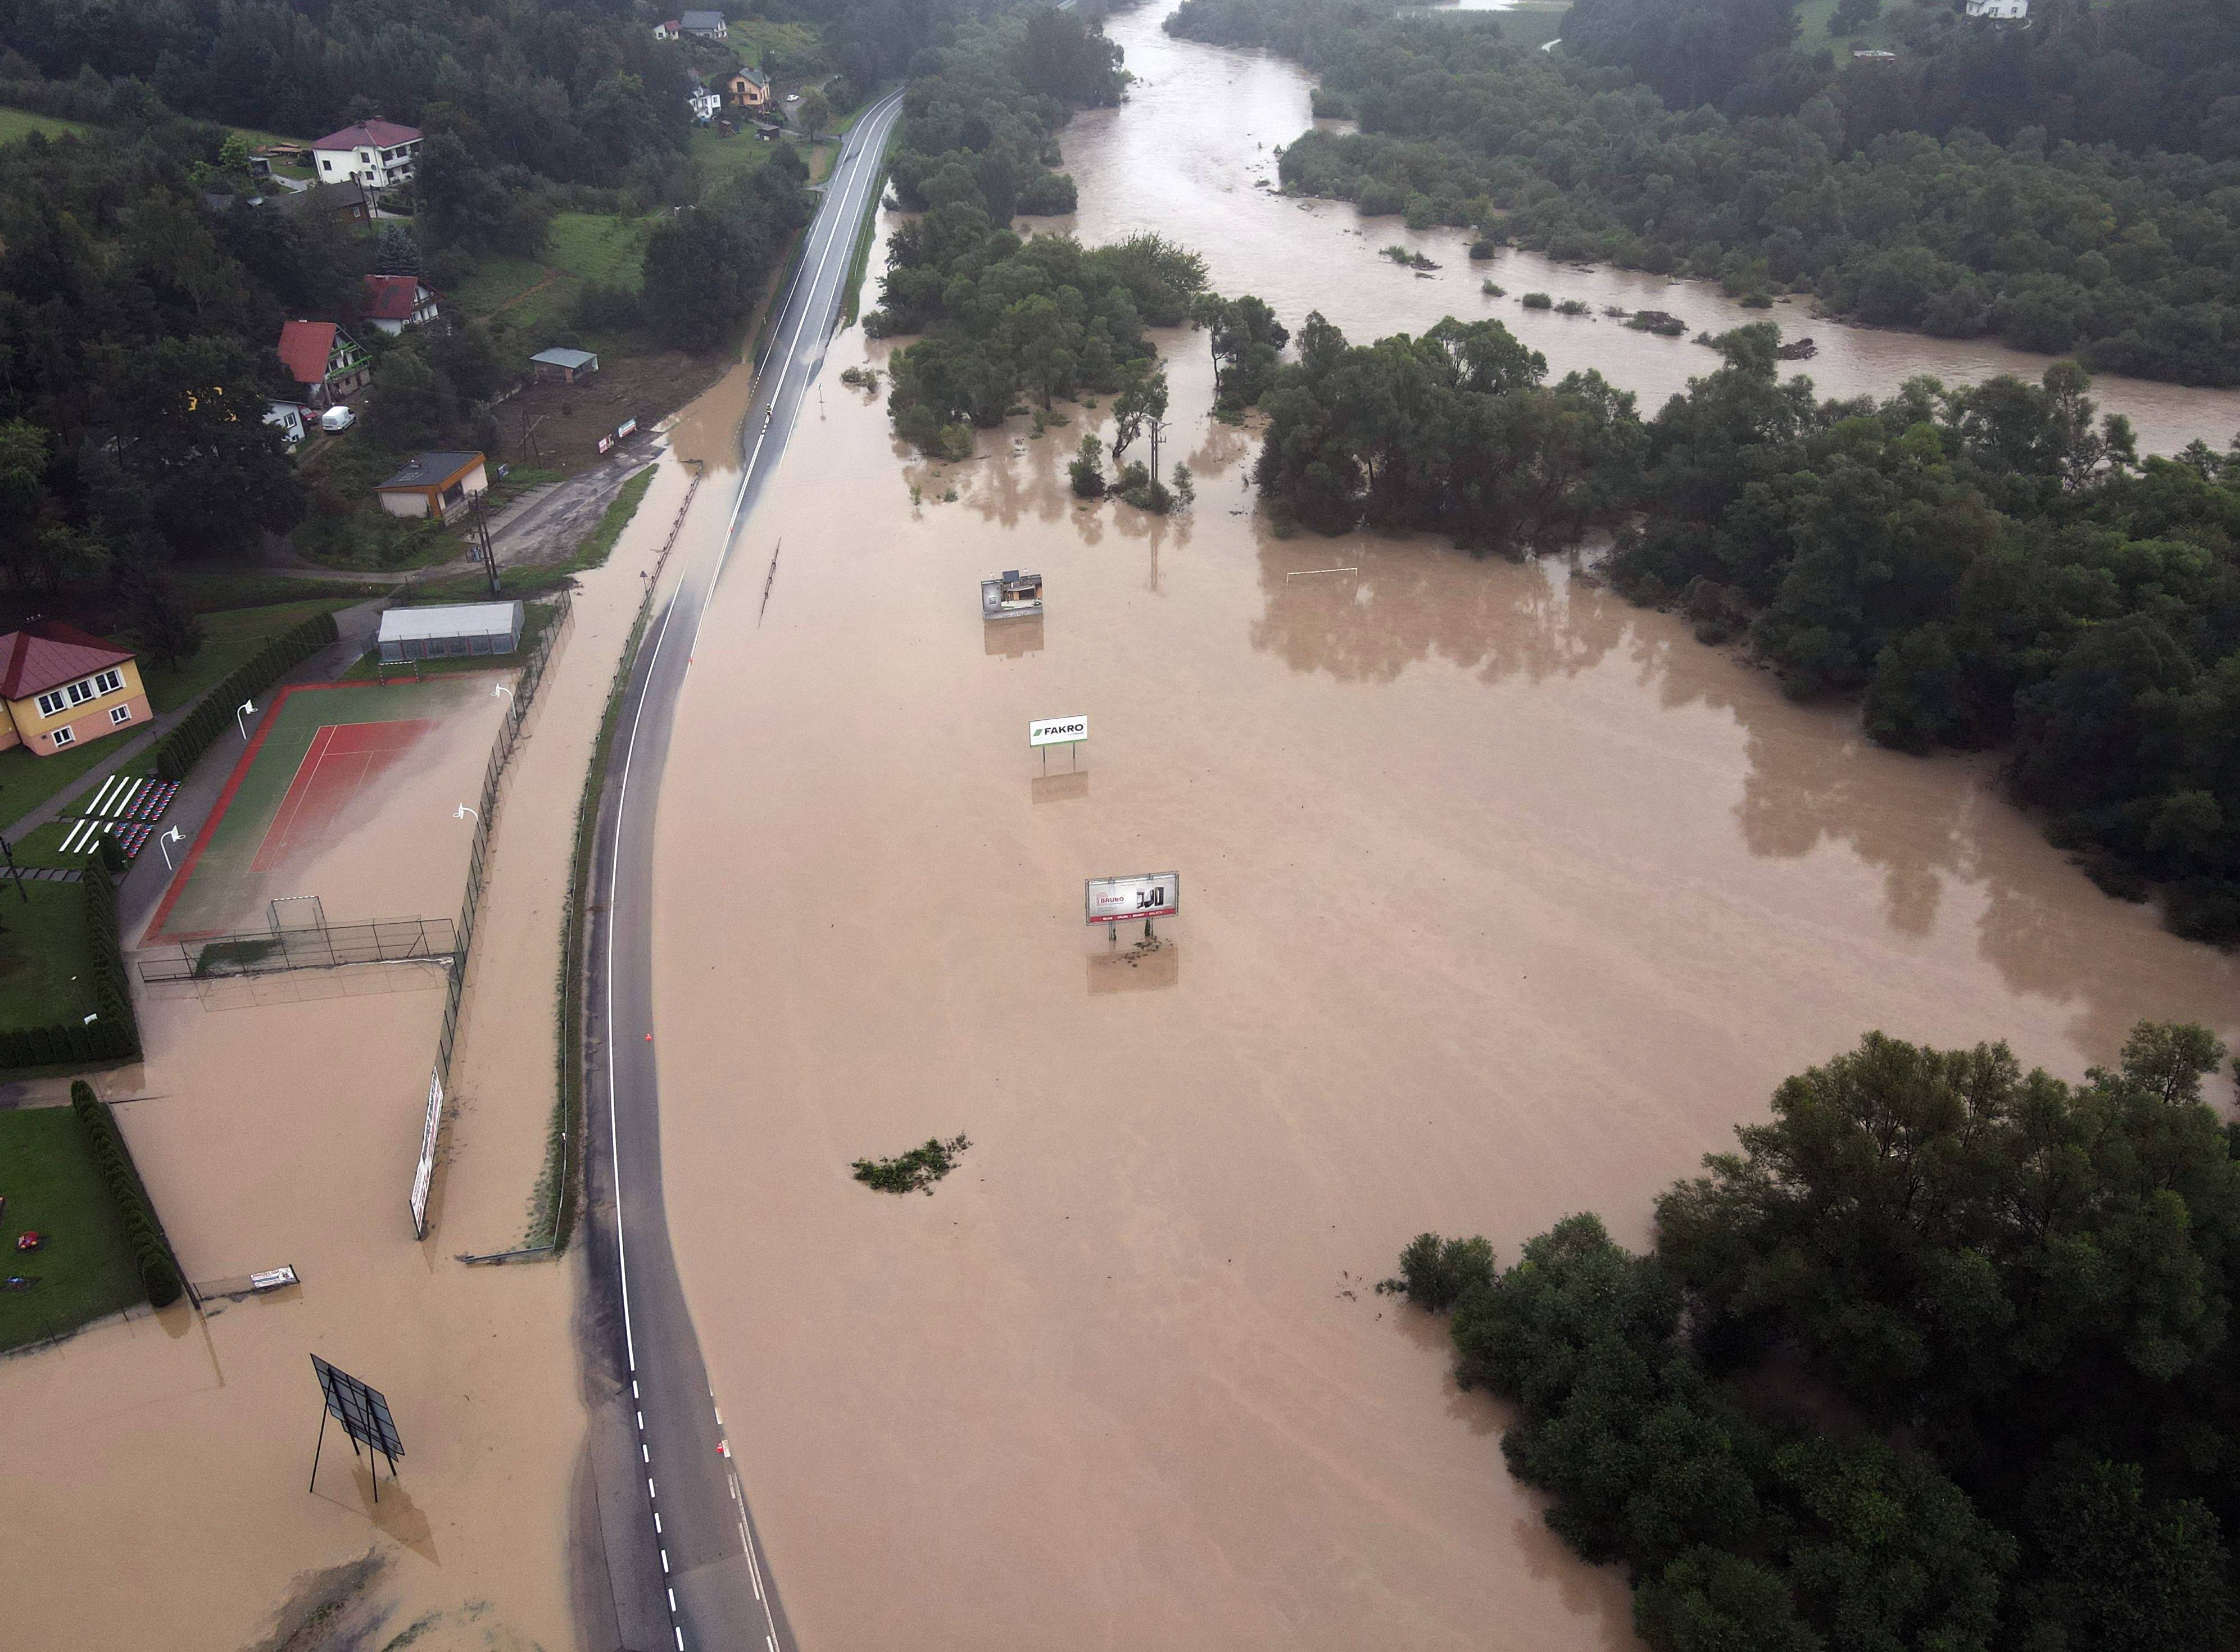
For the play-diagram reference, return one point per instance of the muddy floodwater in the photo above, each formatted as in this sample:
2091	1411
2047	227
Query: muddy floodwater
1501	899
1186	155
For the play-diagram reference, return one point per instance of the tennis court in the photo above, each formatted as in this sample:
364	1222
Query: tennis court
346	791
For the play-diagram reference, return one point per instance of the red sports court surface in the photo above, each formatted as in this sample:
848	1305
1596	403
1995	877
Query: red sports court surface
344	759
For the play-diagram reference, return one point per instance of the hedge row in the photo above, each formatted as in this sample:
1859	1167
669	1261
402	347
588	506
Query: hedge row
213	714
114	1034
158	1271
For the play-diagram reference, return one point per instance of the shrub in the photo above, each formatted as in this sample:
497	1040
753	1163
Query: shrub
1435	1272
1087	469
159	1269
1537	301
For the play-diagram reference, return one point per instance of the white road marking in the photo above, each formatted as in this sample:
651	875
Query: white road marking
621	807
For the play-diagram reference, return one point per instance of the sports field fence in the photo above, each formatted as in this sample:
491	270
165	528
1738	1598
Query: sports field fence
508	735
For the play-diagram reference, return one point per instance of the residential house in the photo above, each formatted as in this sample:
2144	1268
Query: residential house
347	198
394	303
559	366
324	359
289	417
704	25
748	87
63	687
433	483
703	102
666	31
375	153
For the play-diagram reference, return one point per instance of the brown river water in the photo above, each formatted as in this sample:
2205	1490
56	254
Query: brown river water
1501	899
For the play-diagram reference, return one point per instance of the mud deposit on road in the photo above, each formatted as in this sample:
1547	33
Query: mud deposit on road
1501	899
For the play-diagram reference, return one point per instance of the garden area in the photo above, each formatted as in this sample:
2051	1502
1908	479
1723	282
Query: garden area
85	1267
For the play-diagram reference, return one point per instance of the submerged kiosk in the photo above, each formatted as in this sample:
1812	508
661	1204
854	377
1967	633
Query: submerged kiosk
1012	594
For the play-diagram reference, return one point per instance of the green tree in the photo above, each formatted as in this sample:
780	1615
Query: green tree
813	112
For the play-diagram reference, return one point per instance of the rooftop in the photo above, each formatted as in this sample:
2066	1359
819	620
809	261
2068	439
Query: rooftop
390	298
47	653
450	619
431	470
699	20
378	135
558	357
306	347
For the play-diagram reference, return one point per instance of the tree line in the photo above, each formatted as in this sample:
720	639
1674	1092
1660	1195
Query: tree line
1942	1358
1990	566
1003	319
1645	143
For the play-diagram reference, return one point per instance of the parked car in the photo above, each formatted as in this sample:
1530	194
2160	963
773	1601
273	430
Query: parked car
337	418
793	97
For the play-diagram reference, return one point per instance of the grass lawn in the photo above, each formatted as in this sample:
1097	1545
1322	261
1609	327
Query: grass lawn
46	972
497	282
751	36
741	155
1533	25
53	1188
600	247
26	782
1812	31
526	296
228	639
20	123
211	590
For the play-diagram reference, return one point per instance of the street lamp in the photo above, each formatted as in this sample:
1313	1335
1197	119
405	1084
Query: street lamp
241	713
164	843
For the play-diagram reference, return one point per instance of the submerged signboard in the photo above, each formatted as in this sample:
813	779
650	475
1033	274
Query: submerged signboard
1057	731
1154	894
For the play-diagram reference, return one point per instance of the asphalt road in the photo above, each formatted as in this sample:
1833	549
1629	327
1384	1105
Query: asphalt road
695	1556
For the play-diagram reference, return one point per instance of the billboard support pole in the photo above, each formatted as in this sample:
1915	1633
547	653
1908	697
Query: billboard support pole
322	1445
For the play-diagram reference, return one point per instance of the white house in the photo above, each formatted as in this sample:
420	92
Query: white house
374	153
433	484
391	303
288	416
705	104
665	30
709	25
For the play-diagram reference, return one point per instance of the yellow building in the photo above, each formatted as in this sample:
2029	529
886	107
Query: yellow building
63	688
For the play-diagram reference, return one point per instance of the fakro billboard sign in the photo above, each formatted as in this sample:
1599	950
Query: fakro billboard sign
1057	731
1113	900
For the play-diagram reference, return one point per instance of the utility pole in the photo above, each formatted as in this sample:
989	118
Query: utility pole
15	871
478	532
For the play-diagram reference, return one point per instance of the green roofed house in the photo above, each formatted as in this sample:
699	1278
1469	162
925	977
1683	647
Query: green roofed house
559	366
432	485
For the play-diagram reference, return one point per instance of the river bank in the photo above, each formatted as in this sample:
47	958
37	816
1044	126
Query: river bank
1187	155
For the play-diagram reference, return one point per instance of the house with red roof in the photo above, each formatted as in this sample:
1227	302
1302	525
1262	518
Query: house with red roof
63	687
374	153
394	303
326	362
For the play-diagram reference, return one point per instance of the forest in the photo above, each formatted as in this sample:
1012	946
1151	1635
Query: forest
1941	1358
1001	317
1694	140
1991	566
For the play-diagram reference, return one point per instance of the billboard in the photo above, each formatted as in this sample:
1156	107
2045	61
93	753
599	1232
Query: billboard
1153	895
1057	731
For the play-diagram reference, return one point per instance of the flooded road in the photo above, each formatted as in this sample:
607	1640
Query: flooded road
1187	151
1502	900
